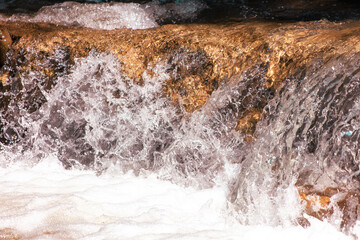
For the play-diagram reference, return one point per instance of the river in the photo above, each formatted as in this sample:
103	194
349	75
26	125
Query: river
117	125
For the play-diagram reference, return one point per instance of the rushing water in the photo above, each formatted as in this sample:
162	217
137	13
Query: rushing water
113	15
107	158
48	202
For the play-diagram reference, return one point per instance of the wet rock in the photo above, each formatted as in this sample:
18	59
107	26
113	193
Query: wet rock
303	222
4	79
284	47
5	43
198	60
10	234
247	123
322	204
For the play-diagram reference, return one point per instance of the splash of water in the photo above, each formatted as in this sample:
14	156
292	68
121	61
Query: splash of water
97	118
113	15
309	138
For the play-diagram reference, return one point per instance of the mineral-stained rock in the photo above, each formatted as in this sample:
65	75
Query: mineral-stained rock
9	234
218	52
5	43
247	124
4	78
322	204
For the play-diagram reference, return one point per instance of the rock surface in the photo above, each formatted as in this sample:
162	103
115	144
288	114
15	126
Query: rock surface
281	48
5	43
323	204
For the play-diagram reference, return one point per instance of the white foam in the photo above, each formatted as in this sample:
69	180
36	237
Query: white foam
111	15
100	16
48	202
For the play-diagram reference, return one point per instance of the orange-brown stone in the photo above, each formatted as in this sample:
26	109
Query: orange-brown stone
9	234
228	49
247	123
322	204
4	78
5	43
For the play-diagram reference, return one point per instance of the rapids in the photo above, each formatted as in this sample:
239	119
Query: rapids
200	131
49	202
113	15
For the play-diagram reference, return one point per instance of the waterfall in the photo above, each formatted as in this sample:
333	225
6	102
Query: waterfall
113	124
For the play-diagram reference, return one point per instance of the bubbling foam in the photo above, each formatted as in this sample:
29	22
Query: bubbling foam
99	16
112	15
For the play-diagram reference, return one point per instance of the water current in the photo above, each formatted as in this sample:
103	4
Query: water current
98	155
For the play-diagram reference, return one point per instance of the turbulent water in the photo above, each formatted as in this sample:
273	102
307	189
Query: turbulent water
48	202
140	167
113	15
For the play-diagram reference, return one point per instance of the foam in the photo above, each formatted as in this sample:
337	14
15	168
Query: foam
100	16
112	15
48	202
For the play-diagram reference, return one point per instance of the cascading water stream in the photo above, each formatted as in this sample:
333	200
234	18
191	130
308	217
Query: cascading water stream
309	137
106	154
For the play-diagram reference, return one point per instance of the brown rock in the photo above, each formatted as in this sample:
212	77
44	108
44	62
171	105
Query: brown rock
226	51
322	204
247	123
5	43
4	79
9	234
303	222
